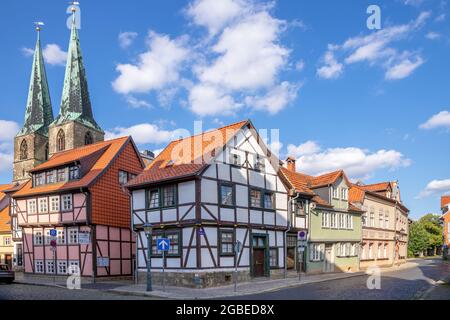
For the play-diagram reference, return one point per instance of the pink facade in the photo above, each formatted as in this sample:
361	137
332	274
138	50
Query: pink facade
107	250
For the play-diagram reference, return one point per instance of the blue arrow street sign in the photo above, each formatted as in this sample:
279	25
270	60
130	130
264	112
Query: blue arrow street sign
163	244
53	233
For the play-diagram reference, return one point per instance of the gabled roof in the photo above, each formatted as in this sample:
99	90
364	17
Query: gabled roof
105	152
328	179
297	180
377	187
445	200
178	161
356	194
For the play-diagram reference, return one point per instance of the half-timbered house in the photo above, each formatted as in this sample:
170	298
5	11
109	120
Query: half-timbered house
205	193
79	193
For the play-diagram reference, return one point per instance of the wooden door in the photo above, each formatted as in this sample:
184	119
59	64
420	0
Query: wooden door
8	261
259	262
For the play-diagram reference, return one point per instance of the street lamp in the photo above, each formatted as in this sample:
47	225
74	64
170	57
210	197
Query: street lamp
148	227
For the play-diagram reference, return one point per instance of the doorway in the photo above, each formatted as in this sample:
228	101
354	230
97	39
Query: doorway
329	259
260	256
8	261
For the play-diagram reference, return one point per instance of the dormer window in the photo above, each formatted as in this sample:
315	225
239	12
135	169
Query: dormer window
74	173
335	193
344	193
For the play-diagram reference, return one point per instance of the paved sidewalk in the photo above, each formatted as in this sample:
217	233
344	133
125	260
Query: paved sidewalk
247	288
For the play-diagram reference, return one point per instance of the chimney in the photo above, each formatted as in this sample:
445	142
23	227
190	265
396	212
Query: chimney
290	161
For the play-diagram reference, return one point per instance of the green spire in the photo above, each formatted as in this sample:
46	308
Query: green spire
39	113
75	102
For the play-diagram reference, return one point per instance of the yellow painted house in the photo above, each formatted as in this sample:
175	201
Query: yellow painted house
6	244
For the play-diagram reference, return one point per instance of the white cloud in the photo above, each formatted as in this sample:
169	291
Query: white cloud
208	100
7	134
440	17
275	99
376	49
215	14
357	163
300	65
137	103
332	69
435	187
413	2
404	68
442	119
53	54
432	35
146	133
126	39
155	69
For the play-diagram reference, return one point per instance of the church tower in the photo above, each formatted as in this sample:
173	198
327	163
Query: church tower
31	143
75	125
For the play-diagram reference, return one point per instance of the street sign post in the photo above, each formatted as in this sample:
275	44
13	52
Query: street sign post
302	237
53	234
163	245
237	250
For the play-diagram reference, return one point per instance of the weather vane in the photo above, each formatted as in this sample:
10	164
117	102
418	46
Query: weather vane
39	25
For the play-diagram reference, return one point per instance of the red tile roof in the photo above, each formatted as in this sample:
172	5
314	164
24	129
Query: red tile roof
297	180
445	200
5	220
376	187
106	152
186	157
356	194
327	179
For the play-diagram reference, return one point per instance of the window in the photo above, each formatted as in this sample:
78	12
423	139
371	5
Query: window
259	163
123	177
54	204
88	138
50	267
155	237
67	202
60	141
62	267
43	205
333	220
354	252
269	200
255	198
47	237
39	266
335	193
23	150
226	242
174	238
73	236
316	252
379	253
7	241
372	217
32	206
325	220
38	238
344	193
273	257
371	251
226	195
235	159
364	251
39	179
74	173
74	266
153	199
50	177
364	219
385	253
341	221
169	196
61	237
61	175
349	221
386	221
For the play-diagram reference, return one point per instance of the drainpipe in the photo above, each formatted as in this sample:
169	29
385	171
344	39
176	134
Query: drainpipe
287	230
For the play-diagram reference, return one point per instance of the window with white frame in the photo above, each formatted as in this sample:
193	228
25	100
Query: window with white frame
325	219
316	252
61	237
48	237
354	252
341	221
363	251
344	193
74	265
73	236
273	257
364	219
67	202
7	241
372	217
385	253
349	221
39	266
381	218
50	266
386	220
333	220
54	204
38	241
380	252
335	193
62	267
32	206
371	251
43	205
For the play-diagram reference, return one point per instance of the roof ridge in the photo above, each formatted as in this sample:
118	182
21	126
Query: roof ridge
206	132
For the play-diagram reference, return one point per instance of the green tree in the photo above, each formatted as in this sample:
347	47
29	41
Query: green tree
418	239
433	225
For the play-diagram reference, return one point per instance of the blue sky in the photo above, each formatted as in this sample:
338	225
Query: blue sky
373	102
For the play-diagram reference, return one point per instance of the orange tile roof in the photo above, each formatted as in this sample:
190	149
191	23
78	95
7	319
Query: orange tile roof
297	180
5	187
376	187
445	200
108	149
356	194
327	179
5	220
177	160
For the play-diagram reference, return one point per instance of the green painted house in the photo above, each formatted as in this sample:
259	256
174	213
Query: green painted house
334	225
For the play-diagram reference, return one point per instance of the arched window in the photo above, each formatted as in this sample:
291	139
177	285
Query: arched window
60	141
23	150
88	139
